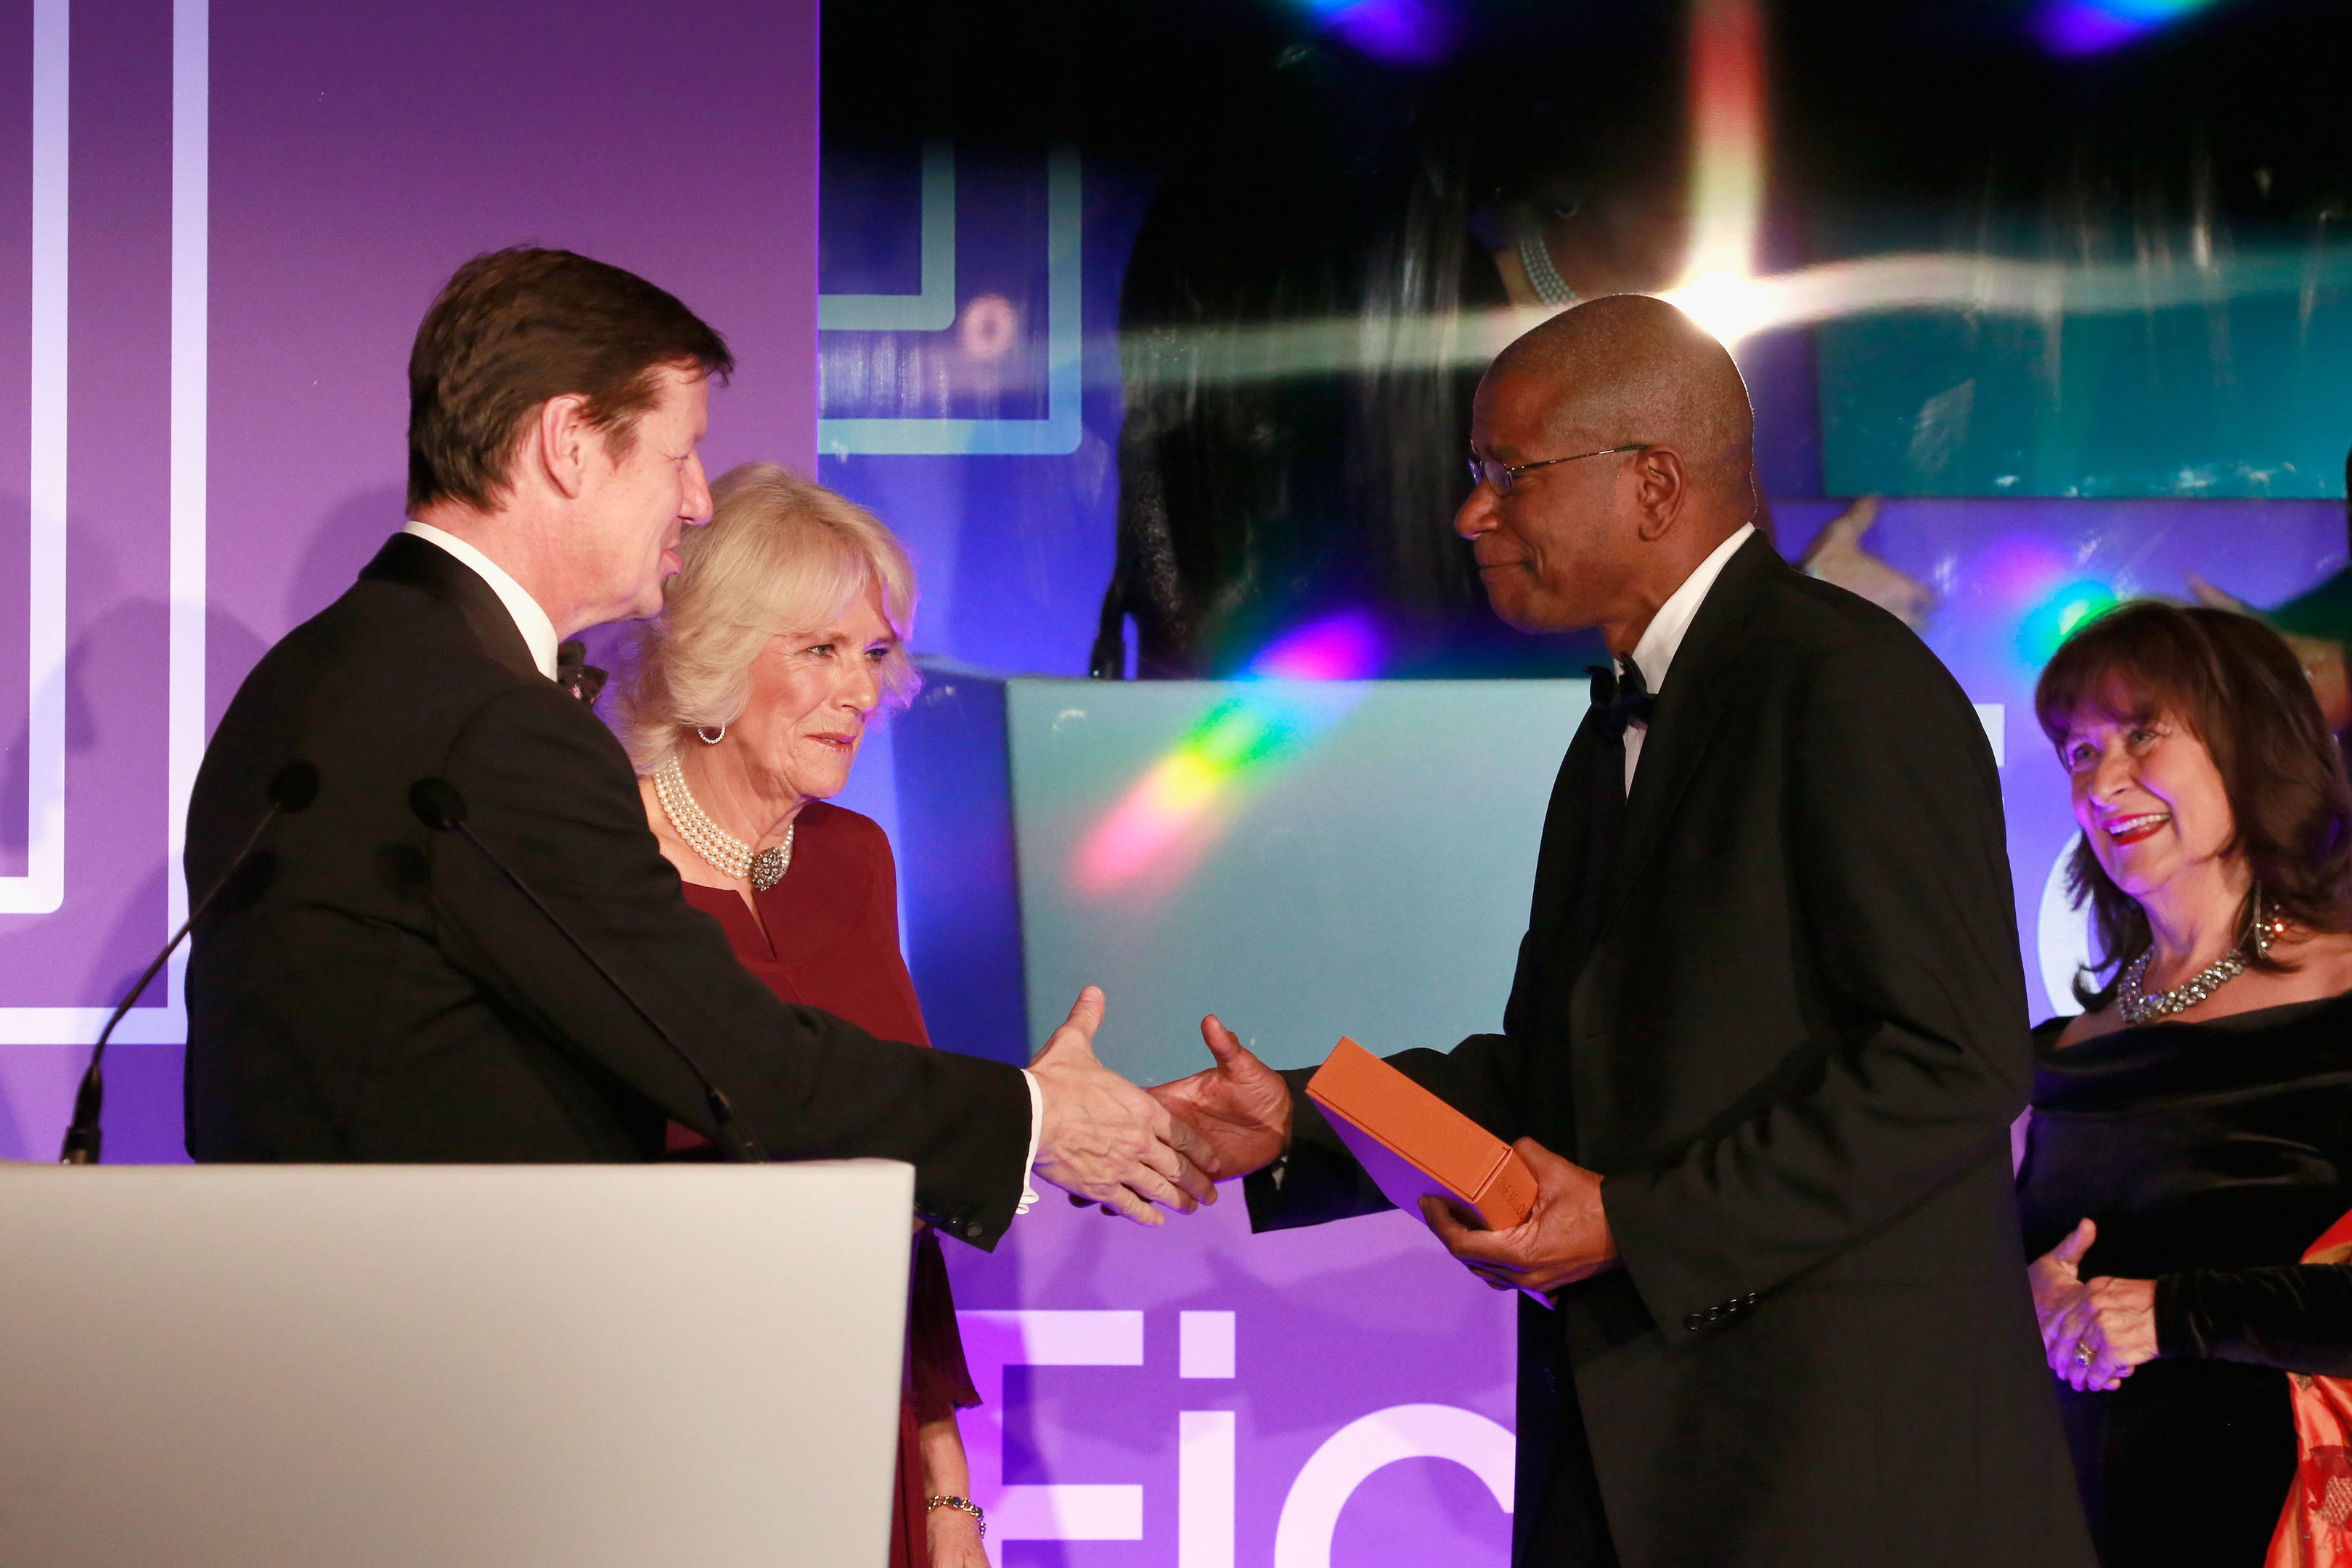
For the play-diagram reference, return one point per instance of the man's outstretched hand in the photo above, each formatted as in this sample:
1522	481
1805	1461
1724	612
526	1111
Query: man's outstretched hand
1238	1110
1564	1238
1105	1141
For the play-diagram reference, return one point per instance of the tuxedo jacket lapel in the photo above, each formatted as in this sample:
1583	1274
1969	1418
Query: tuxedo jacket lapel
1559	860
1687	717
414	563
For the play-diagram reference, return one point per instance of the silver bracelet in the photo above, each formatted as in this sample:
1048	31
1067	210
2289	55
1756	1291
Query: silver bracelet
962	1505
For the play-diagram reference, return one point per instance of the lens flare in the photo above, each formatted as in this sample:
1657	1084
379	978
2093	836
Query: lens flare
1178	808
1728	306
1413	32
1727	138
1718	286
2095	27
2058	616
1342	647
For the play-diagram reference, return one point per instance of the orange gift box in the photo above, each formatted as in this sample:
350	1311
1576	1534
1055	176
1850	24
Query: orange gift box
1412	1144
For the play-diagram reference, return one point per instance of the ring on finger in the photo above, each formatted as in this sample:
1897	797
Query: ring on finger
2084	1355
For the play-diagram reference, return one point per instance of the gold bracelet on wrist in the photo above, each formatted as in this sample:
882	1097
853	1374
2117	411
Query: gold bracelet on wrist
962	1505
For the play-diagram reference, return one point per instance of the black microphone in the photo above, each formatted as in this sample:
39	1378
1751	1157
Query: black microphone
292	789
440	808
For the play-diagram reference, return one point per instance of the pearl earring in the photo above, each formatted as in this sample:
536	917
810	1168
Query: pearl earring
708	736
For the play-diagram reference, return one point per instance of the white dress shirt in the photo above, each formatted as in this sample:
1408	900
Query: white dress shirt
532	621
1655	654
538	633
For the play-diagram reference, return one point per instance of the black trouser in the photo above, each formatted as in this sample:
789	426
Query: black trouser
1558	1521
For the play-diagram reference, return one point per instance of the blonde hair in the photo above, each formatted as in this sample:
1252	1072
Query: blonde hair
780	554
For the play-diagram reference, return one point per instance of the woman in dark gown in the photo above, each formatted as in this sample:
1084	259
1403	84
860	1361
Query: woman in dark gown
744	710
2191	1131
2209	1155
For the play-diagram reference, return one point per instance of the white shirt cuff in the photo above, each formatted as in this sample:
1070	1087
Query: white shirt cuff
1037	1129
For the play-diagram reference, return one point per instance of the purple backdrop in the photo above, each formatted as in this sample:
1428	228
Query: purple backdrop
356	155
330	167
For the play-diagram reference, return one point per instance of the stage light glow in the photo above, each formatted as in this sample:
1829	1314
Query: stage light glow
1340	647
1718	286
2042	593
1730	306
2049	624
2020	570
2047	592
2095	27
1727	138
1177	809
1733	307
1406	31
988	327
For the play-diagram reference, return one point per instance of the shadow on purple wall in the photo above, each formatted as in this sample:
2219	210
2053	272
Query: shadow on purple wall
345	541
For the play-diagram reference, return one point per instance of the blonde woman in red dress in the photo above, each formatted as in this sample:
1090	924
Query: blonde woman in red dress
781	637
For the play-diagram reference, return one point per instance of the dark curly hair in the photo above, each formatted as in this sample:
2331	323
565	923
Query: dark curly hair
2233	682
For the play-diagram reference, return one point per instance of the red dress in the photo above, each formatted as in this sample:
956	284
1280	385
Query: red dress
832	942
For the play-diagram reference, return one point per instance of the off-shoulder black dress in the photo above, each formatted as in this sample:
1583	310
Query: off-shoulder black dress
2210	1155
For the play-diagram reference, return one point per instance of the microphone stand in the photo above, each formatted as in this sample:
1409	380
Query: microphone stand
292	789
439	806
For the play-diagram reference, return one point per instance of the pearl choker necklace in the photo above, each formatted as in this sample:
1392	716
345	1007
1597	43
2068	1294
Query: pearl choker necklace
719	849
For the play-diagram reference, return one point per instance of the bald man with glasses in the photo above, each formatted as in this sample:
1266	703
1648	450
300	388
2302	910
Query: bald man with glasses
1767	1034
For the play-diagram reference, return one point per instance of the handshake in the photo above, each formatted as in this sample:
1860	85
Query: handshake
1110	1143
1106	1142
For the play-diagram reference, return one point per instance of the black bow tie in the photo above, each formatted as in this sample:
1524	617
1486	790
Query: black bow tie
575	674
1621	699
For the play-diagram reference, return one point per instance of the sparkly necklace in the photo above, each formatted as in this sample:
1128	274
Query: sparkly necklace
720	850
1535	257
2140	1006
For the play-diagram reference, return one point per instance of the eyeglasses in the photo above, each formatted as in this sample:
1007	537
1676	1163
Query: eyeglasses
1503	475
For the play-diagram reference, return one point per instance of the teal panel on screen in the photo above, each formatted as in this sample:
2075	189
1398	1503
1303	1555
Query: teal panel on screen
2244	397
1306	859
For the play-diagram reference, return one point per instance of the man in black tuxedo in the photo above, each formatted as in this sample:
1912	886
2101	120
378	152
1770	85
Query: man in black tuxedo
1766	1037
374	990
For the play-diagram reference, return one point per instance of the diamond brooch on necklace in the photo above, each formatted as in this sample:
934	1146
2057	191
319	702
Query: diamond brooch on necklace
720	850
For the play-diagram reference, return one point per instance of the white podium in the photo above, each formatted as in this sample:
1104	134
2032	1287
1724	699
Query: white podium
450	1366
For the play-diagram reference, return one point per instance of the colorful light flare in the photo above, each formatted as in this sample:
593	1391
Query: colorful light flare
1341	648
1408	32
2095	27
2058	616
2041	591
1178	808
1718	286
1727	138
